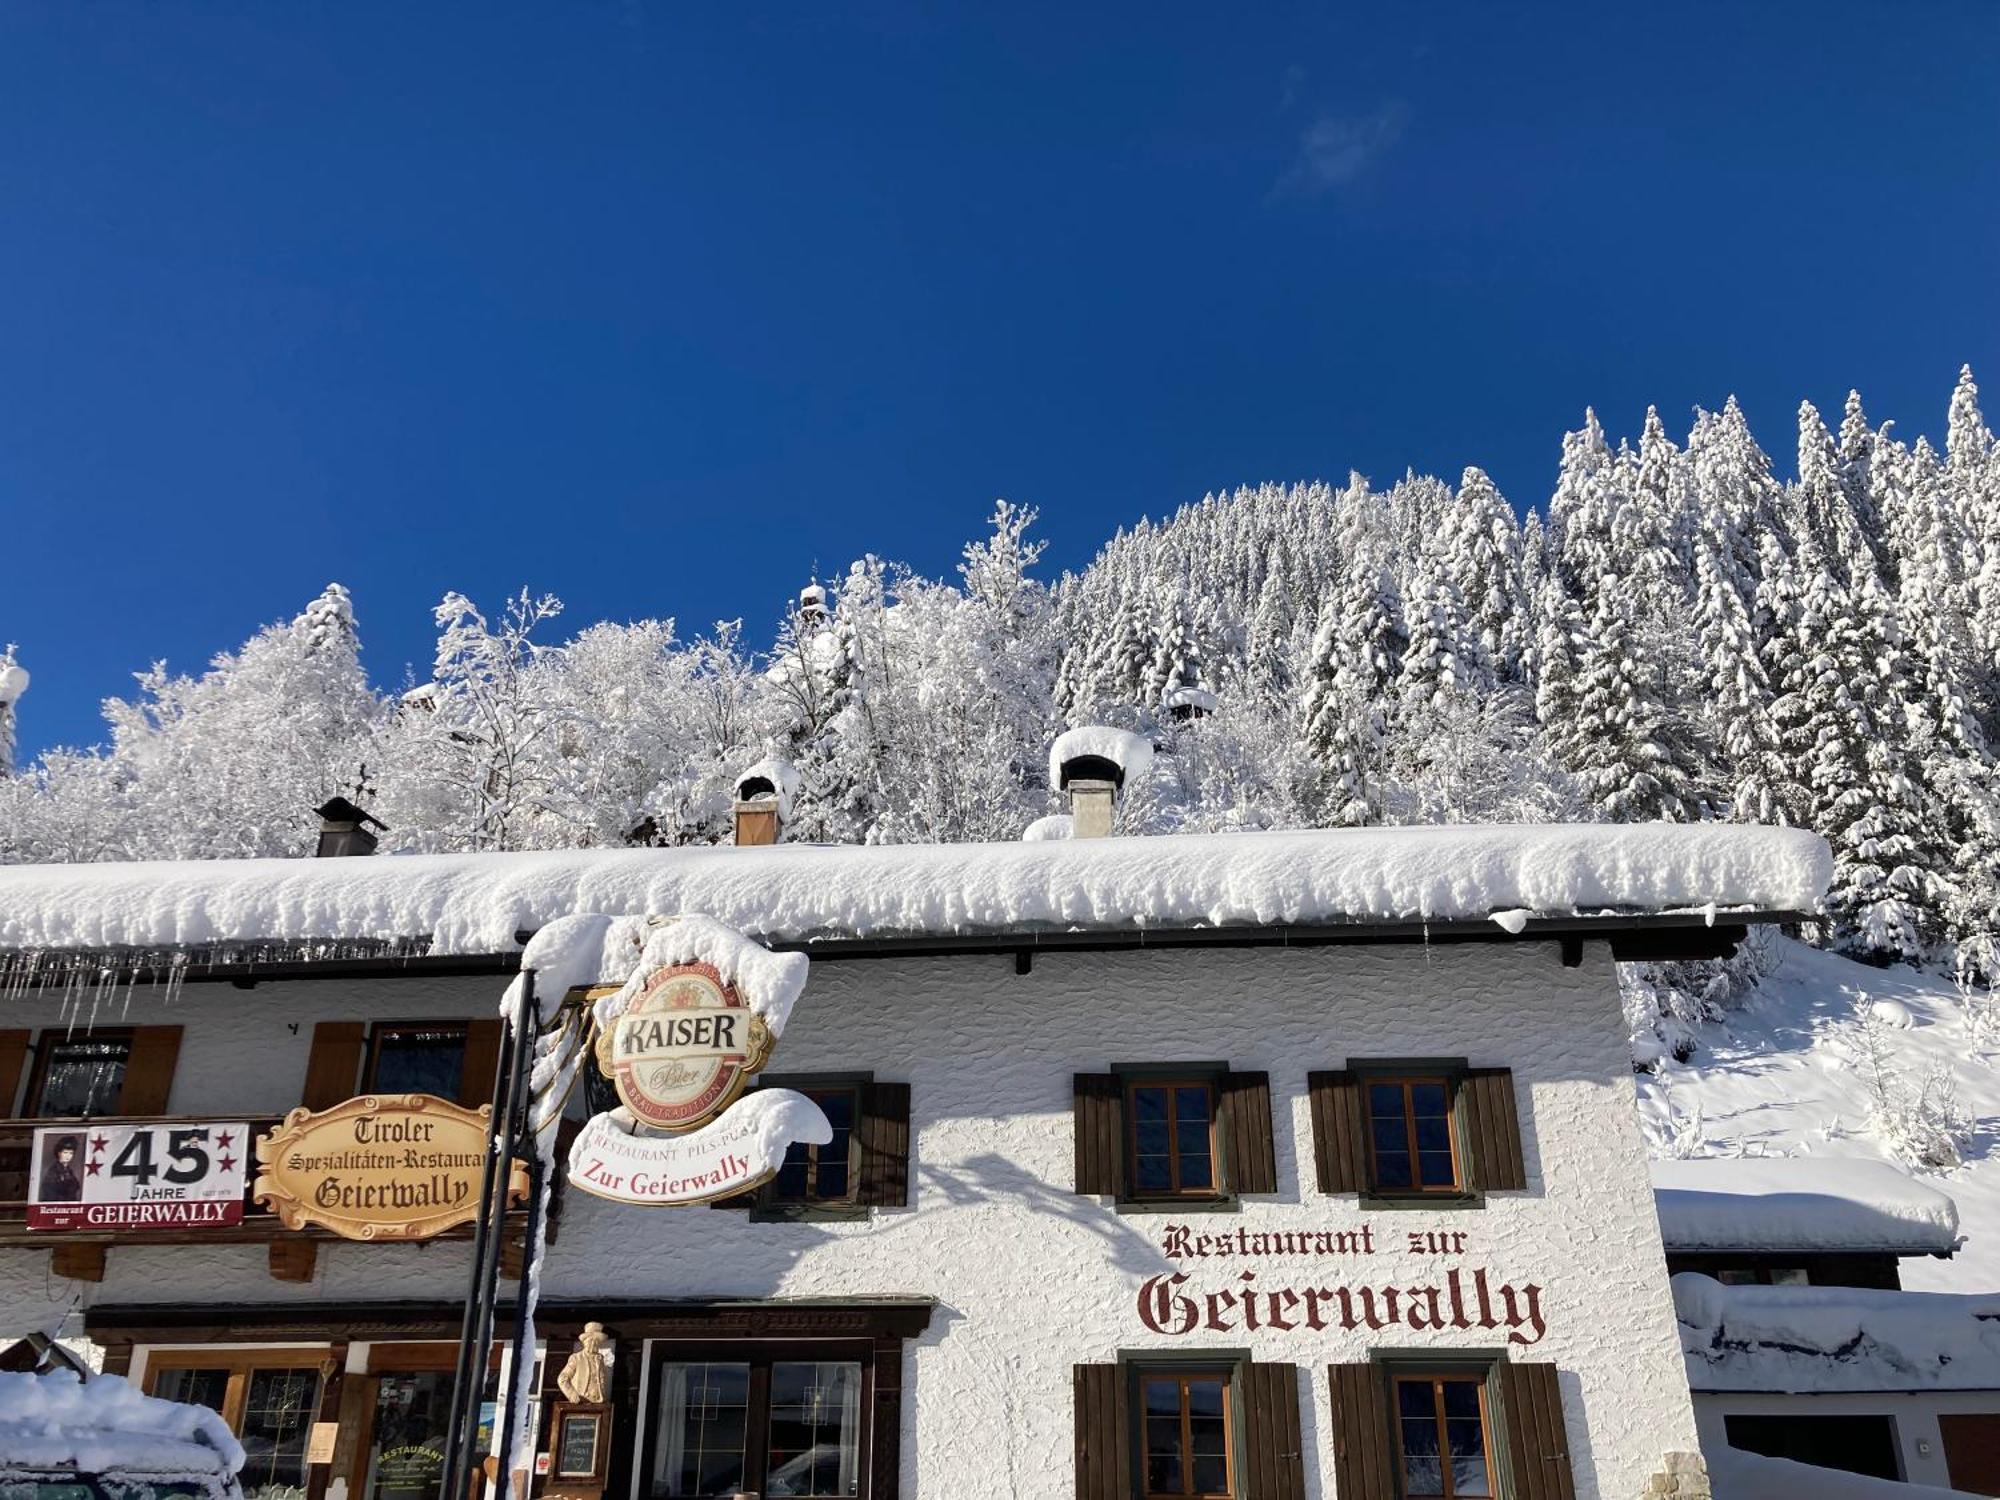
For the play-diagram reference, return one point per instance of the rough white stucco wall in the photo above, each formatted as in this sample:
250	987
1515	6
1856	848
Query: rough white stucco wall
1029	1277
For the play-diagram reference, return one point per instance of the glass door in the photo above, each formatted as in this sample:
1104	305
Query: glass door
406	1436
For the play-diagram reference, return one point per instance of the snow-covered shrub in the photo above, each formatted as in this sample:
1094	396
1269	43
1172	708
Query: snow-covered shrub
1922	1122
1667	1003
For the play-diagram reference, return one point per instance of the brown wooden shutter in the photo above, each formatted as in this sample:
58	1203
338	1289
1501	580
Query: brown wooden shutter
1245	1117
1271	1446
1537	1443
883	1132
149	1070
13	1062
1100	1133
483	1041
335	1065
1364	1448
1339	1123
1498	1163
1103	1434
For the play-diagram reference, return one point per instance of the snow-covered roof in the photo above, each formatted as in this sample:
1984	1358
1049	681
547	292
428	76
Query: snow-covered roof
106	1423
476	903
1797	1203
1835	1338
1054	826
1130	753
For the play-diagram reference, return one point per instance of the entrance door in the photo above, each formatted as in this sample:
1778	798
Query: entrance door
1972	1450
269	1398
406	1434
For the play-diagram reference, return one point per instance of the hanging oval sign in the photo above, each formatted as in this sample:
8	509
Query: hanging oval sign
684	1048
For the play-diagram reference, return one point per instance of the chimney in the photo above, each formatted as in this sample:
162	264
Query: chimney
341	830
764	802
1092	765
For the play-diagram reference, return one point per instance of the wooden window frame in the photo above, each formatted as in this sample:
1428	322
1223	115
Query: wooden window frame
765	1205
1436	1380
461	1026
1209	1076
1408	1080
1146	1374
241	1365
857	1090
50	1038
760	1355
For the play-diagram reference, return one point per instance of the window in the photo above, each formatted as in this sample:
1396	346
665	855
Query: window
865	1166
1186	1434
1763	1276
763	1424
80	1075
1858	1442
1412	1146
1172	1150
1174	1136
1411	1130
269	1400
416	1059
823	1174
1441	1436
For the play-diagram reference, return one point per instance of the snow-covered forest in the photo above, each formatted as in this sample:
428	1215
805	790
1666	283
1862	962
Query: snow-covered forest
1674	633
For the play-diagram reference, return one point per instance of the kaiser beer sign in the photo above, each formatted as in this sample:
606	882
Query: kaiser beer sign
679	1035
98	1176
683	1049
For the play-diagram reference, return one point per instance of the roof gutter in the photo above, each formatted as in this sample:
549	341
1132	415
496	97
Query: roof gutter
1635	937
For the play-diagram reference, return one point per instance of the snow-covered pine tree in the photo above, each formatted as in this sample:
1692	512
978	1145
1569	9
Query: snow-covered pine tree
1357	653
1482	555
1621	748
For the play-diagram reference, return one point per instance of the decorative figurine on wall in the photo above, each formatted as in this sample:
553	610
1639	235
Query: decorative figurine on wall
586	1376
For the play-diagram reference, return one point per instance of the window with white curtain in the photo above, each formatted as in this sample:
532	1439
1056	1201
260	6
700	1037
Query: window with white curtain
783	1422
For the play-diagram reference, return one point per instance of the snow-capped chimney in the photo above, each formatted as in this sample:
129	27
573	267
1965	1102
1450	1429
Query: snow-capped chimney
343	831
1092	765
764	802
812	605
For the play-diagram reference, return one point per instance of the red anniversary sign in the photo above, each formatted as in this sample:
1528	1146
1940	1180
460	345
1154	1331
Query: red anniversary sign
92	1175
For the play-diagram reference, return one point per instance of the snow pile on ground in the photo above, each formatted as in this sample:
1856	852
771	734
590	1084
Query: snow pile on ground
1835	1338
1737	1475
1130	753
1813	1203
58	1421
1801	1069
475	903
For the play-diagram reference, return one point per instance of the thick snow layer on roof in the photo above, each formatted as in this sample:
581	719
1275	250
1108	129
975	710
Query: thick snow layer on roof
1054	826
475	903
1130	753
1800	1203
106	1423
1737	1475
1835	1338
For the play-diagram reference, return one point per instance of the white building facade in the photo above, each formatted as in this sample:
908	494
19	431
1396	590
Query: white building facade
1315	1203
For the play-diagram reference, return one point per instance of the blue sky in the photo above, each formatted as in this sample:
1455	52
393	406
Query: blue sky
661	307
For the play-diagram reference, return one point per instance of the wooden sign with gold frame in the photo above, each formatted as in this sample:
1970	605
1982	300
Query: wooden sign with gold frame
380	1167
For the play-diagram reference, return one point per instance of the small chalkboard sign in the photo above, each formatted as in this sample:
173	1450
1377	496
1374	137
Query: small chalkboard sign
579	1444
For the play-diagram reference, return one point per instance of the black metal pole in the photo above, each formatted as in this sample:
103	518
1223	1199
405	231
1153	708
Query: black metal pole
516	1369
476	1325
